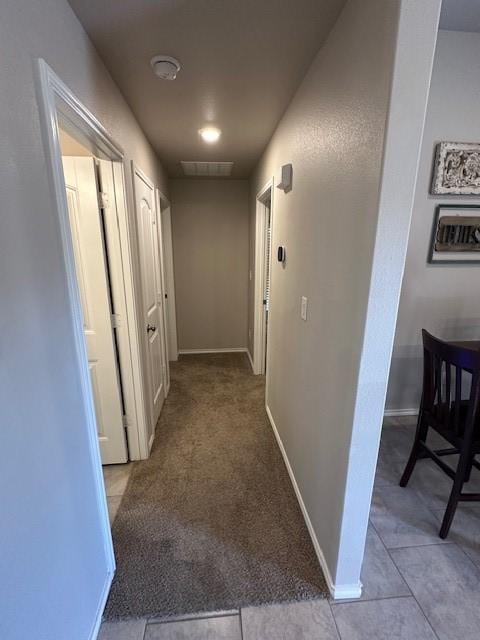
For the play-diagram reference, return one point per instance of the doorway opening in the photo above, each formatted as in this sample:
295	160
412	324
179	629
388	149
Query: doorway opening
263	258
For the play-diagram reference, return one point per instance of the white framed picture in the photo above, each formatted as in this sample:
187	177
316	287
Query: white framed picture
457	169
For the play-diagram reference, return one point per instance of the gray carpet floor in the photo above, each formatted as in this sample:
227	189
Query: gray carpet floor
210	522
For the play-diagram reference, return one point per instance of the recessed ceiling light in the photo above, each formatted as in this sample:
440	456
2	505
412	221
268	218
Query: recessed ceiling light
210	134
165	67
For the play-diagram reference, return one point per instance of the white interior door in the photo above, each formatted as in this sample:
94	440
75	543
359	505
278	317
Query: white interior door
91	266
151	290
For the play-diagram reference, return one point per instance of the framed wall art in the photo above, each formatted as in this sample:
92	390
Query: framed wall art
456	235
457	169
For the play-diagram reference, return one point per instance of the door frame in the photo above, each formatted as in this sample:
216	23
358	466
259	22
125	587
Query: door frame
160	198
259	320
166	219
58	103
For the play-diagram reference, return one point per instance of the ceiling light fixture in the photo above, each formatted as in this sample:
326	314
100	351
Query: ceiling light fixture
210	134
165	67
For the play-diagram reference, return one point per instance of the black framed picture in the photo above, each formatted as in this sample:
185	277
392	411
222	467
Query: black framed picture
455	235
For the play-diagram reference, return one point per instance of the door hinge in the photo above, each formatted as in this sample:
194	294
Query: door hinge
125	422
103	200
115	321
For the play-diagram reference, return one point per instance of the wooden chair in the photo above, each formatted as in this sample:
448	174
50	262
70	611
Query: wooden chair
450	405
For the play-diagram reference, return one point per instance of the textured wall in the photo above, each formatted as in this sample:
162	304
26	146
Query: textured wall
442	299
52	558
333	133
210	243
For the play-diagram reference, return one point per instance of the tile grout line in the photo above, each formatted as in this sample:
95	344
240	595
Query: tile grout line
400	572
335	621
411	590
207	616
388	554
437	544
398	568
358	600
420	546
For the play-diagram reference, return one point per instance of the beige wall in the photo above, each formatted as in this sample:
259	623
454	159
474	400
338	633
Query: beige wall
445	300
210	245
47	487
327	223
333	134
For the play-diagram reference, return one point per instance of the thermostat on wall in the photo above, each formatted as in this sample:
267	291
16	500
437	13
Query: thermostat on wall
284	178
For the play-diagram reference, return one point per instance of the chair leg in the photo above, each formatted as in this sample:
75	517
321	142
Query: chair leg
463	470
420	435
469	468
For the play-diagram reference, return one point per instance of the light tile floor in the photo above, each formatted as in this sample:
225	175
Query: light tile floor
116	477
415	586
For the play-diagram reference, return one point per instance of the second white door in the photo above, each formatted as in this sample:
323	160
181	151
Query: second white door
151	290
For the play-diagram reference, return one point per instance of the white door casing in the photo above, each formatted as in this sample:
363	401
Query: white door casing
162	292
263	261
172	345
266	277
152	303
91	268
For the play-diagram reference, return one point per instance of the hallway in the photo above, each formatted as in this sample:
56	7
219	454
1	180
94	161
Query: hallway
202	258
210	522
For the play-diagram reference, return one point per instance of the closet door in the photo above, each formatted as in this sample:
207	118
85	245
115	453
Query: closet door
91	267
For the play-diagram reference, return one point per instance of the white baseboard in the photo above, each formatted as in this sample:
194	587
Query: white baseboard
228	350
251	360
338	592
103	601
391	413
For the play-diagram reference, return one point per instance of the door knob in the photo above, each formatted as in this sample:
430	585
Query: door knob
151	328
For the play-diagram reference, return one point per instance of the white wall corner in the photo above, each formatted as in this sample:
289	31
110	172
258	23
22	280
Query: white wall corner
415	47
103	601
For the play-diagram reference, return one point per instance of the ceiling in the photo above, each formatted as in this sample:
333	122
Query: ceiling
460	15
241	63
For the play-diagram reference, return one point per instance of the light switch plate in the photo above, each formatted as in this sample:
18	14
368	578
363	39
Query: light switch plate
303	308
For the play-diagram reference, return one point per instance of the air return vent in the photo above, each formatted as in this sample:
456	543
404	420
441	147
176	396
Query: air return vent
214	169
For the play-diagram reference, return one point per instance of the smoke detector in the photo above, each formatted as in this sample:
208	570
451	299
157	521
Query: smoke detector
165	67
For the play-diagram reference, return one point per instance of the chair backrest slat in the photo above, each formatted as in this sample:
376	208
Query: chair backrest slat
438	378
458	399
456	413
448	385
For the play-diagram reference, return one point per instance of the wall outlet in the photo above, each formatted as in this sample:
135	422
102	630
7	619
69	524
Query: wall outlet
303	308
